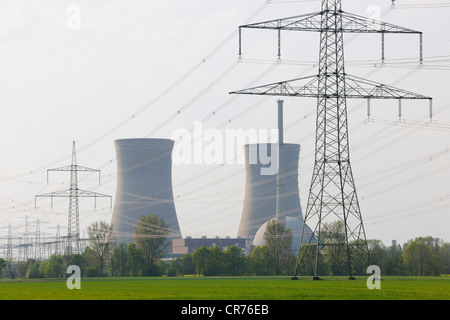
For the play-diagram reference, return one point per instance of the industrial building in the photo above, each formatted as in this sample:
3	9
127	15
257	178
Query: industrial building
189	244
144	186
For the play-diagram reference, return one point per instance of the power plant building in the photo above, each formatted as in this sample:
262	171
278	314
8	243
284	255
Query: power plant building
189	244
144	186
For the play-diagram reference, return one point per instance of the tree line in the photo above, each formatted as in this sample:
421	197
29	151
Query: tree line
146	256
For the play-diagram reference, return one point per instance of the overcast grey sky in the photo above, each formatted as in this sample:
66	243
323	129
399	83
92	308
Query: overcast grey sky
96	71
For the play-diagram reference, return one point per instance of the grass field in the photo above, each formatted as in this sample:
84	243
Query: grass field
227	288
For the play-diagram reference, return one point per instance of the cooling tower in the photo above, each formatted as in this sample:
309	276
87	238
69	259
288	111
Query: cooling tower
270	196
144	186
260	200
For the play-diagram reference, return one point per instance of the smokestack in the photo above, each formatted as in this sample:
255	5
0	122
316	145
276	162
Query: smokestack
280	122
280	142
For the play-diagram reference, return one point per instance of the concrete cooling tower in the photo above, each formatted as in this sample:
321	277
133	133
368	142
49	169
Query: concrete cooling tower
276	196
144	186
260	200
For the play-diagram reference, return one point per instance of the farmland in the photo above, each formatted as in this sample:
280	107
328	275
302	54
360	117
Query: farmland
228	288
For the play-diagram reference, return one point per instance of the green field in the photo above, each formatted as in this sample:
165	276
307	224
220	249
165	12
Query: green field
227	288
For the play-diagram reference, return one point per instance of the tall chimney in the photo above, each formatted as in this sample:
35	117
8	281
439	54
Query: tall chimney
280	122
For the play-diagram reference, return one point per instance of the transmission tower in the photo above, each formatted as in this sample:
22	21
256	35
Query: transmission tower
57	243
37	241
332	195
73	193
9	245
27	245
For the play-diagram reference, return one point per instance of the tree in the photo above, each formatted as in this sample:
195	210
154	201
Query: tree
171	271
33	269
262	261
444	253
2	267
187	265
200	258
100	244
416	254
119	260
53	267
333	235
184	264
12	269
434	243
434	266
150	236
377	251
215	262
278	241
22	267
393	263
135	260
79	260
234	260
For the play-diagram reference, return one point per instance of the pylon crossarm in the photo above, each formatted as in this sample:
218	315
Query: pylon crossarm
70	193
351	23
74	168
356	88
359	88
305	22
290	88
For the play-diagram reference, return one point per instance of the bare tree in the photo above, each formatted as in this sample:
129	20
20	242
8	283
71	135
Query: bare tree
100	244
12	269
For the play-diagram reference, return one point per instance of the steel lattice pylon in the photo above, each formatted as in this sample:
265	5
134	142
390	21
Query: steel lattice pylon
9	245
73	222
332	195
73	193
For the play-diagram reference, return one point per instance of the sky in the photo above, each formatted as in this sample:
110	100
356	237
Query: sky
97	71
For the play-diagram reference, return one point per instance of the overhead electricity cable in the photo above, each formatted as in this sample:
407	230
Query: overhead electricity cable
423	6
171	87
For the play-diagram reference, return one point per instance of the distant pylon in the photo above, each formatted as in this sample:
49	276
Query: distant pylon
37	241
73	225
9	245
25	248
58	239
332	196
73	193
